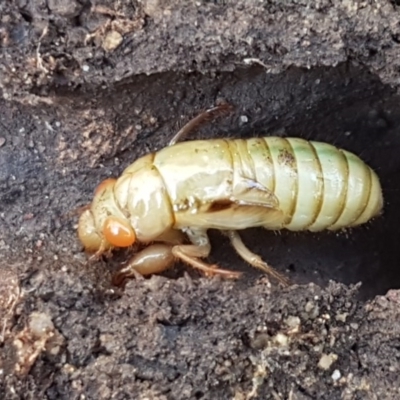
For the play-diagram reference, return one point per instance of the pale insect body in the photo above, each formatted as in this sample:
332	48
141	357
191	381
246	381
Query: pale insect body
229	185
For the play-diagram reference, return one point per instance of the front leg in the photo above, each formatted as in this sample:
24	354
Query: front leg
153	259
200	248
102	250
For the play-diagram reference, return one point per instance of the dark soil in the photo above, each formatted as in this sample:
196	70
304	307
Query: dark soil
87	87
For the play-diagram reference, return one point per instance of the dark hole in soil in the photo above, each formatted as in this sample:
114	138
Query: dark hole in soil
343	106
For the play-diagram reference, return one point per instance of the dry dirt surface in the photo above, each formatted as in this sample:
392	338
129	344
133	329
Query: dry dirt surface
89	86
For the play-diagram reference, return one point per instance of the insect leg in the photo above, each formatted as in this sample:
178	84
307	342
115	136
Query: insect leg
201	247
252	258
151	260
103	250
205	116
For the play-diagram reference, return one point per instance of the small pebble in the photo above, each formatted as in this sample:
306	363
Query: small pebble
292	321
112	40
40	324
336	375
244	119
327	360
281	340
341	317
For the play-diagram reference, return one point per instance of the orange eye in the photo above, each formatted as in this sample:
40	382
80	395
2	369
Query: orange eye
104	184
118	232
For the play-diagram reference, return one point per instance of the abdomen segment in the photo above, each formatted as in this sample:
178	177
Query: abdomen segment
318	185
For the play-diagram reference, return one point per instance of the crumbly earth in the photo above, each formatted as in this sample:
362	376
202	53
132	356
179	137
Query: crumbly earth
87	87
74	43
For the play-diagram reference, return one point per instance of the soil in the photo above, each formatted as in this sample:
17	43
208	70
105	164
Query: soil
87	87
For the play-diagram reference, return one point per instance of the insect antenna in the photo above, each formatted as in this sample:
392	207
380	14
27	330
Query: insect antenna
206	116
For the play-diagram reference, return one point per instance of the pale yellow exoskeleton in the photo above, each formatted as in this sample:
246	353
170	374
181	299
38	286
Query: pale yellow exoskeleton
181	191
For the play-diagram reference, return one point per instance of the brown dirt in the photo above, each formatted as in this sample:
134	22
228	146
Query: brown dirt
77	108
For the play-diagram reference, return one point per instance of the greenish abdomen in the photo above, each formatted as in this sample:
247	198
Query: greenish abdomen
318	185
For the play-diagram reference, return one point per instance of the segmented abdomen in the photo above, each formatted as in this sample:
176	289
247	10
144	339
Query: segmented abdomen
318	185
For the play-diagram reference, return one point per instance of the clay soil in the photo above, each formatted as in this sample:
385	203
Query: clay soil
87	87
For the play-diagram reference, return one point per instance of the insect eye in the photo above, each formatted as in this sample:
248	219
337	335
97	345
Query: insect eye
118	232
104	184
